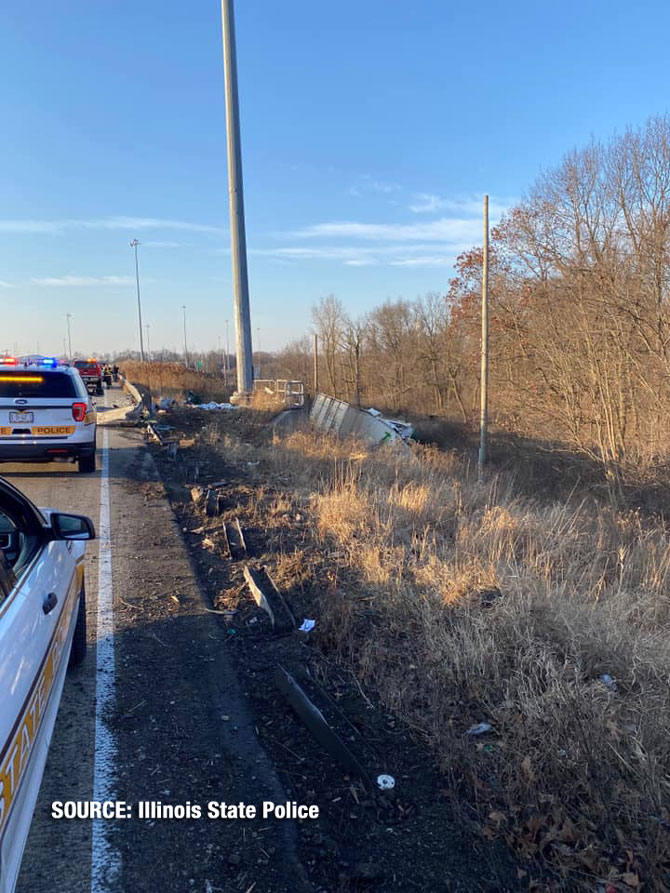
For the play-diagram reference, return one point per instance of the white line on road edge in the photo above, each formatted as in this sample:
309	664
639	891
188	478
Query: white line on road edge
105	859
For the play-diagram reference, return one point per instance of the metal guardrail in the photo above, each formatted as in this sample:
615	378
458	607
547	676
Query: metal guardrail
290	393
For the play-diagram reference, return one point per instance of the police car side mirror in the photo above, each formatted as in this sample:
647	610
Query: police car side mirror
72	527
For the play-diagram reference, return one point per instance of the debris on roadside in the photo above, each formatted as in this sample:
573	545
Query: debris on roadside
270	599
235	543
480	729
385	782
317	725
213	406
608	682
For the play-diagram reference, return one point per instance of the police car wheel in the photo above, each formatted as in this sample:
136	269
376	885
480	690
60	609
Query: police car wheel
78	651
87	464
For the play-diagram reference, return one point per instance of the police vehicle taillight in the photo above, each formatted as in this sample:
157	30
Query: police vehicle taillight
78	411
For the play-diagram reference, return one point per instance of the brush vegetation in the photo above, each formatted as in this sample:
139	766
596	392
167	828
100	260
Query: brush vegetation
460	602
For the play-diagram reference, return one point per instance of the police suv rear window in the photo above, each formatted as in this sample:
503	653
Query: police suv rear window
34	383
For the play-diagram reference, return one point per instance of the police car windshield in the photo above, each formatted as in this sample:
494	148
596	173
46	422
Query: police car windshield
35	383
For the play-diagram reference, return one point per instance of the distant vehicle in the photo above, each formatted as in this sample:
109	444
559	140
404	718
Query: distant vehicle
42	629
91	374
46	414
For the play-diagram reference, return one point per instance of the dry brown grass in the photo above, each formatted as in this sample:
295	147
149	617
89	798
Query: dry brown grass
574	772
174	380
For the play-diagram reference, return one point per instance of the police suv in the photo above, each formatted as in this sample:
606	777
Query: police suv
42	629
46	413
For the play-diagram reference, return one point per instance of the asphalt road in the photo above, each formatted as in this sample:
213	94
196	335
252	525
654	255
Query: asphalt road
178	728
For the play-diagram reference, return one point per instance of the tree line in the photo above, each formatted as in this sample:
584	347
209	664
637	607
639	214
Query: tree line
579	321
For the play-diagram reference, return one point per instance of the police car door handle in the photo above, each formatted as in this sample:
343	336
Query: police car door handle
49	602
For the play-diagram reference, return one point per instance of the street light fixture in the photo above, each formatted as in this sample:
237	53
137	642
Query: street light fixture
134	245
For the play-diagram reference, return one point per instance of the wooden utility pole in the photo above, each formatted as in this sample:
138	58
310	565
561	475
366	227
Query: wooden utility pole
316	364
484	386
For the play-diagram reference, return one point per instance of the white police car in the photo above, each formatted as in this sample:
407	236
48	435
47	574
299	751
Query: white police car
42	628
46	413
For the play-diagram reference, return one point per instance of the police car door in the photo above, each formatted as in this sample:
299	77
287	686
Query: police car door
37	606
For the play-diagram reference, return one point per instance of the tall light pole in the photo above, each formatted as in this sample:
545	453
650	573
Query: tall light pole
227	351
69	336
243	350
134	245
147	327
183	307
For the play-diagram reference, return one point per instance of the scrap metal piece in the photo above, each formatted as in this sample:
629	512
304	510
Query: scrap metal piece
270	599
213	502
234	540
316	724
154	434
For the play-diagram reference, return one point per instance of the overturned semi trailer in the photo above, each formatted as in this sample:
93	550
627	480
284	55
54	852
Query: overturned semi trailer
330	414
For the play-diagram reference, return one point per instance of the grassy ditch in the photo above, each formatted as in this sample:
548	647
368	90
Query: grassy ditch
458	603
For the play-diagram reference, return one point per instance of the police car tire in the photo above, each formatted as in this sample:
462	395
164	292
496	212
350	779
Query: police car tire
78	651
87	464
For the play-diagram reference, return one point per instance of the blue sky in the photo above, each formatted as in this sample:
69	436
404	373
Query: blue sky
370	131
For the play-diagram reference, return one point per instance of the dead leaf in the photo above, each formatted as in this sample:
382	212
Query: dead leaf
631	879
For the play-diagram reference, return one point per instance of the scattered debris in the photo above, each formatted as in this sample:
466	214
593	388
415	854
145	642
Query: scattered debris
270	599
213	406
214	502
154	434
607	680
307	626
385	782
234	540
489	596
480	729
316	723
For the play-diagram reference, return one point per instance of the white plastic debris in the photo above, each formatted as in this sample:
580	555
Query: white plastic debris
212	406
385	782
607	680
480	729
307	626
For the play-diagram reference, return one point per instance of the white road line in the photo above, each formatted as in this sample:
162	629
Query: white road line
105	858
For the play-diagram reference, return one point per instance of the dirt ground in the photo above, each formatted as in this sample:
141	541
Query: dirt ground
413	837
